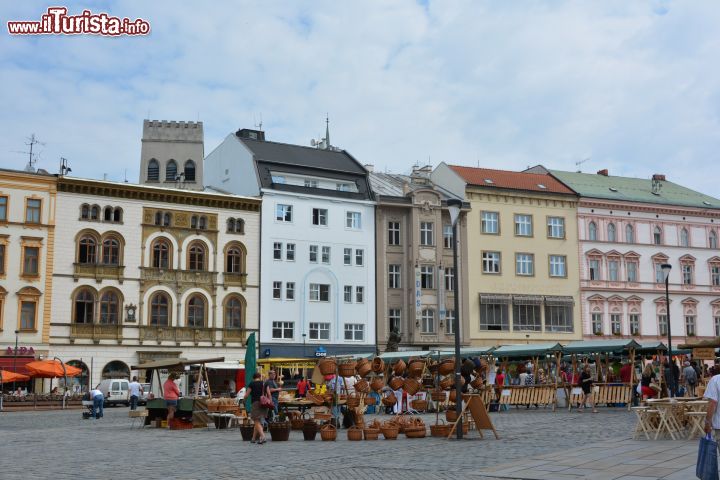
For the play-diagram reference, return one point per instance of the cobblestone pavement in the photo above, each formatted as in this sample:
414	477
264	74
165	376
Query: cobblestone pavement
533	444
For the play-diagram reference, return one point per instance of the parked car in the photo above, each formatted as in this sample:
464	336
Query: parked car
144	395
115	391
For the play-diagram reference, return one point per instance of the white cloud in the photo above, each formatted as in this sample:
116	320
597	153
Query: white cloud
509	84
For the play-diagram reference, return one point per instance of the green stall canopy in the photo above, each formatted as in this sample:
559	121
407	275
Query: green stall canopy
601	346
527	350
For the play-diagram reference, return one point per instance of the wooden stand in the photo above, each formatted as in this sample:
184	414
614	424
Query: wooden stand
479	414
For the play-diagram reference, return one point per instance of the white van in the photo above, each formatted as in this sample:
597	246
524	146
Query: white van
115	391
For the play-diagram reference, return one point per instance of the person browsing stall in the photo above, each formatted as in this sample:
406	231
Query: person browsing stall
171	393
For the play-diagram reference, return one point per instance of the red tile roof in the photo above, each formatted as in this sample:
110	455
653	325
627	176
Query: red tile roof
511	180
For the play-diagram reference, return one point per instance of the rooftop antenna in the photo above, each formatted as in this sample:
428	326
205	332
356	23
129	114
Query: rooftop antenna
32	157
126	181
64	167
327	130
580	162
255	122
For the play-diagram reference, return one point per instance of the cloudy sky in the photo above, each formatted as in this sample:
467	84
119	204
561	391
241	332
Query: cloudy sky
630	86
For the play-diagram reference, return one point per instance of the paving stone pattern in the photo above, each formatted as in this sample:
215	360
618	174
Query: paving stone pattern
534	444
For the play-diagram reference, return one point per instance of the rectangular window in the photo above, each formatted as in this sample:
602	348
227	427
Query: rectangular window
290	252
347	294
450	322
527	317
277	251
359	294
634	319
31	261
427	237
319	292
283	330
27	315
632	268
319	331
687	274
524	264
494	316
352	220
394	319
427	324
450	279
717	326
342	187
447	236
2	266
597	323
558	318
613	270
359	257
427	276
715	275
491	262
662	325
557	266
3	209
289	290
690	325
347	256
595	269
490	222
556	227
616	323
277	179
319	217
283	213
354	332
659	275
32	210
393	276
523	225
393	233
277	290
313	253
325	254
311	183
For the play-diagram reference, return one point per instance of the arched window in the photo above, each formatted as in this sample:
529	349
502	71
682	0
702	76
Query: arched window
171	171
161	253
235	260
87	250
657	236
629	234
167	217
196	257
116	369
153	170
196	311
84	306
240	226
158	218
712	239
111	251
234	312
160	309
231	225
202	223
592	231
95	212
117	215
194	221
189	171
684	238
85	211
109	308
107	214
612	237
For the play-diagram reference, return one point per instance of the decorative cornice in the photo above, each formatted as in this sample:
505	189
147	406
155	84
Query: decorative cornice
648	208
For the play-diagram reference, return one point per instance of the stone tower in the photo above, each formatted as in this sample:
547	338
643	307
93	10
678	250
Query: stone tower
172	154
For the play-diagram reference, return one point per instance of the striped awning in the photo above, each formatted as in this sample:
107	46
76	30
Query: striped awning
559	301
527	299
489	298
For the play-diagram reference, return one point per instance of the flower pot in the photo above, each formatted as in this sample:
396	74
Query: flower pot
279	431
246	431
310	430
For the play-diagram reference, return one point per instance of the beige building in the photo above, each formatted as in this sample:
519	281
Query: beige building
522	255
414	262
172	154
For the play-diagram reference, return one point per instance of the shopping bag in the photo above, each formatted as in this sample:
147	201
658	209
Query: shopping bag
707	462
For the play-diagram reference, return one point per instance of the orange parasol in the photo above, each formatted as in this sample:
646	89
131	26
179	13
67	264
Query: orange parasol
51	369
8	377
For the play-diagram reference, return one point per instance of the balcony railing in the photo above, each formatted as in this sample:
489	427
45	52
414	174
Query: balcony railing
235	280
96	331
99	272
191	334
161	275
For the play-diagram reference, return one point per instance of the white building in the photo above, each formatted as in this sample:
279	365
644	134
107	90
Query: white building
318	242
144	272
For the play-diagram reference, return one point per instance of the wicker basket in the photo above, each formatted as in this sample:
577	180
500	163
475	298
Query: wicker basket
297	422
369	400
327	366
447	382
420	405
396	383
323	417
440	430
363	367
316	399
353	401
452	395
415	432
346	369
477	384
354	434
371	433
377	384
416	367
328	433
399	367
451	415
390	431
446	367
437	395
411	386
378	365
390	400
362	386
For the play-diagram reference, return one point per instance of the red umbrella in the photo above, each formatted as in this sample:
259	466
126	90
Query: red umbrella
51	369
8	377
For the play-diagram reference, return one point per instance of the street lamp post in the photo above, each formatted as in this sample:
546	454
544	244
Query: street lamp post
666	267
15	357
454	205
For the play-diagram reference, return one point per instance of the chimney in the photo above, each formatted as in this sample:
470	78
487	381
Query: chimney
658	177
603	172
369	167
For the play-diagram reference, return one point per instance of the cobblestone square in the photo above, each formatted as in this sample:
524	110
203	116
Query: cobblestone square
534	444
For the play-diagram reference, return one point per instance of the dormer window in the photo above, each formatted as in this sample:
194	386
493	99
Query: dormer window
342	187
311	183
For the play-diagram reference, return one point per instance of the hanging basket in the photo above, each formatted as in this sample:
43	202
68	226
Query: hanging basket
353	401
452	396
447	382
362	386
437	396
354	434
363	367
451	416
377	384
396	383
446	367
346	369
378	365
416	367
477	384
390	400
411	386
328	433
420	405
399	367
370	400
327	366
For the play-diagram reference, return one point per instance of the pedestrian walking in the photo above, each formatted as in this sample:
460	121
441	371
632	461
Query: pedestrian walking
98	400
586	383
134	391
690	376
255	390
